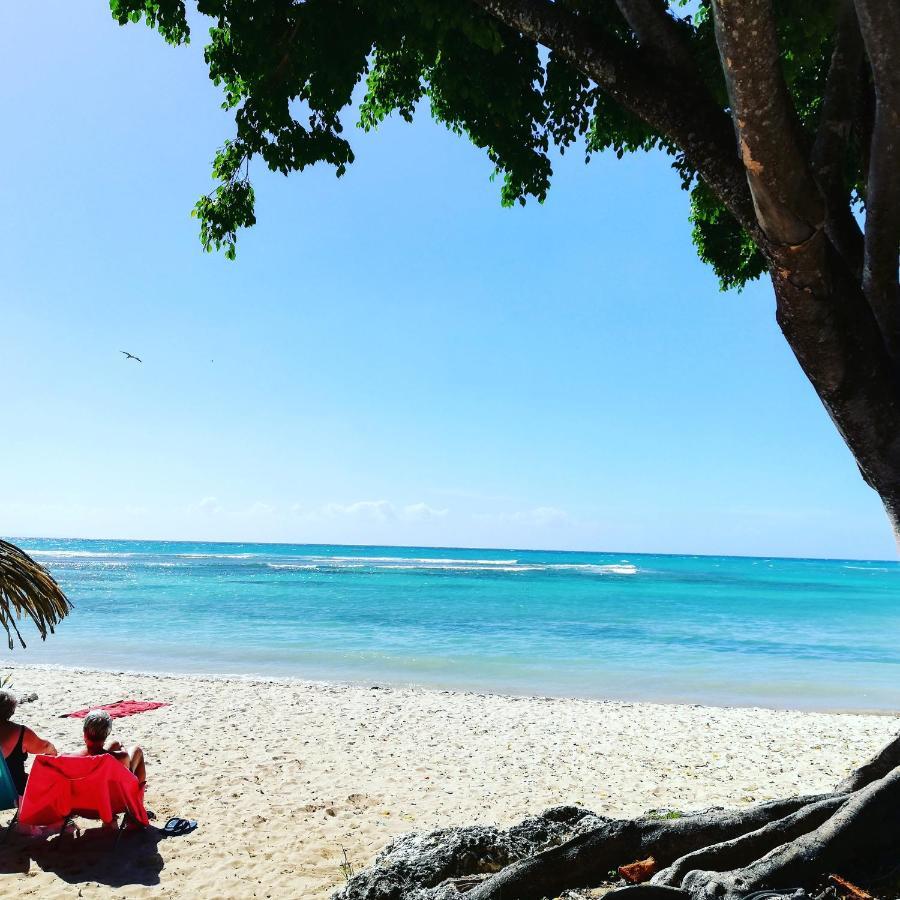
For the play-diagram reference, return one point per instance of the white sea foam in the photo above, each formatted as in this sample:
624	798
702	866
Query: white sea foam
434	567
620	569
417	560
609	569
440	564
412	564
75	554
216	555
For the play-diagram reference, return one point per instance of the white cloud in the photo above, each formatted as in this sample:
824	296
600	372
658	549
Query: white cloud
208	506
370	511
547	515
418	512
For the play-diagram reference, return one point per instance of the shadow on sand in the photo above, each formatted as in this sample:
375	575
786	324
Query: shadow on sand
91	855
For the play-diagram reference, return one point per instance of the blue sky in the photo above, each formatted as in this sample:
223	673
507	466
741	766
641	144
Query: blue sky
393	358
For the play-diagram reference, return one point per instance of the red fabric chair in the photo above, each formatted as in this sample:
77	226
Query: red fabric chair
94	787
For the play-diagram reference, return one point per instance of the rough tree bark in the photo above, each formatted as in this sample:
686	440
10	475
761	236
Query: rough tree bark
880	25
821	308
864	833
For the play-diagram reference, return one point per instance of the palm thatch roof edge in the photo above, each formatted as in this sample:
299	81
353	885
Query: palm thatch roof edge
28	590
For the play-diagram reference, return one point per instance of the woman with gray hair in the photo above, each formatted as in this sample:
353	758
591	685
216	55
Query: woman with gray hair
96	727
17	741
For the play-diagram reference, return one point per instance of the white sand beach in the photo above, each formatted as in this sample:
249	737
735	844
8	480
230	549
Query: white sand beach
283	775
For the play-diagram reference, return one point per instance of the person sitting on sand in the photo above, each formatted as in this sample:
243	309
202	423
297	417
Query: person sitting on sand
17	741
96	728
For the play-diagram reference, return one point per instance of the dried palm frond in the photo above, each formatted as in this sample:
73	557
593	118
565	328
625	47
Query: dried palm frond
28	590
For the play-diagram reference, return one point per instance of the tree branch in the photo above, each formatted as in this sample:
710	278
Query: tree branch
690	121
656	29
843	90
788	205
879	22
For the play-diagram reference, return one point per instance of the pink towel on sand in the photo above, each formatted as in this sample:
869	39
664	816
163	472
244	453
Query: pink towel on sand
118	710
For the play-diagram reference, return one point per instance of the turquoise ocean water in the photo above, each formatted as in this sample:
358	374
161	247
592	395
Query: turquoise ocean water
722	630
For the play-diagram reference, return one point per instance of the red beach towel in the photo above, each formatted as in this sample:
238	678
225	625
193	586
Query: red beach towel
96	787
117	710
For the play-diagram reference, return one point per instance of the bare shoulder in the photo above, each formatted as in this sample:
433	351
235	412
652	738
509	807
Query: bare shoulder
9	734
34	743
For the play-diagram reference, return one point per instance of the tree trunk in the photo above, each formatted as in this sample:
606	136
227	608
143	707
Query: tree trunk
830	327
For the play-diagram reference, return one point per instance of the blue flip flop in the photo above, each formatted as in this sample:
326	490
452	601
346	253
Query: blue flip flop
175	827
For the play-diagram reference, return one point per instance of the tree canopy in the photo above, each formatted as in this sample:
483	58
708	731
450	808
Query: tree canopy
289	71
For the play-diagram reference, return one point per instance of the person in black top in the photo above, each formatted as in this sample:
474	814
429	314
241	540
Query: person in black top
17	741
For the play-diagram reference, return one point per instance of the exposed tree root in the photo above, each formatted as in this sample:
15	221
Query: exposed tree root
860	836
586	860
747	848
714	855
884	761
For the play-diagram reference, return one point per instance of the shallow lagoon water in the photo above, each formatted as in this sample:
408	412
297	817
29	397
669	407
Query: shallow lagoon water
814	634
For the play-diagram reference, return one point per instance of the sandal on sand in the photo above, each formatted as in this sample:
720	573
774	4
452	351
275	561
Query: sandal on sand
176	826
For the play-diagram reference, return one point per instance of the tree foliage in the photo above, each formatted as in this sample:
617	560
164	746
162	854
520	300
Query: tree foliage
289	69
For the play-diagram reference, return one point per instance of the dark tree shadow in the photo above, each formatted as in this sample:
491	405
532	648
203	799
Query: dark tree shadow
91	855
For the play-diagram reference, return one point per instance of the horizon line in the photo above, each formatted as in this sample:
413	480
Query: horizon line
14	538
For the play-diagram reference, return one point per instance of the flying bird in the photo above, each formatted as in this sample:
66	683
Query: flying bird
131	356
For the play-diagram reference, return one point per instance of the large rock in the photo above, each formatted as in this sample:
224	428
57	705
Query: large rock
425	866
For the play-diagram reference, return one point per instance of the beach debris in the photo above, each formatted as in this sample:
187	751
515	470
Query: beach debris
665	812
467	882
848	889
639	871
346	866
